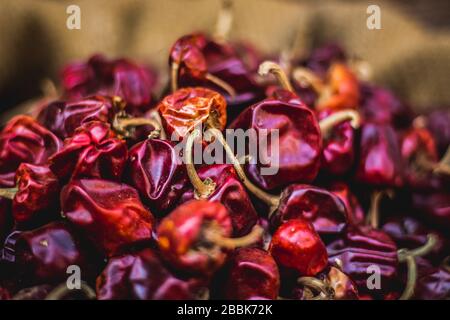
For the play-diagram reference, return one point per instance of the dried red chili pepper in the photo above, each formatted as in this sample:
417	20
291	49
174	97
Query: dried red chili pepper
296	245
42	255
121	77
438	123
355	212
433	206
187	108
155	169
252	274
142	276
435	285
322	58
194	237
380	161
24	140
93	151
110	214
36	194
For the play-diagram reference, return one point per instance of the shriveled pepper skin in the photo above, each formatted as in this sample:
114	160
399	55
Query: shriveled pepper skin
380	161
253	273
120	77
37	195
42	255
231	193
155	169
187	108
110	214
64	117
355	212
296	245
299	143
180	236
24	140
362	247
323	209
93	151
142	276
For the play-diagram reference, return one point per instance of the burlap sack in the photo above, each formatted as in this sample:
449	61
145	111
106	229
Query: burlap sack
35	42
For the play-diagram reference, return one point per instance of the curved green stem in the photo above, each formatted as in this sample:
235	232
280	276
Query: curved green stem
271	67
62	290
8	193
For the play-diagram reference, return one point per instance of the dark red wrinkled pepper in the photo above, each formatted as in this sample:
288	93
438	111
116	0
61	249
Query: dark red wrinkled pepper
93	151
24	140
252	274
42	256
142	276
380	161
110	214
155	169
132	82
355	212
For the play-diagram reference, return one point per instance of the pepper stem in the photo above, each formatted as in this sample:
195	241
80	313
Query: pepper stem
62	290
224	21
308	78
271	200
443	166
219	82
203	189
121	125
325	292
409	256
215	237
174	69
8	193
271	67
373	218
328	124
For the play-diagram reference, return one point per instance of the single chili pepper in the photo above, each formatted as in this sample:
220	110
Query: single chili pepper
142	276
299	138
110	214
42	255
296	201
121	77
380	161
194	238
438	123
296	245
187	108
64	117
24	140
380	105
35	195
155	169
355	212
252	273
330	284
435	285
220	183
361	247
93	151
433	206
340	90
338	152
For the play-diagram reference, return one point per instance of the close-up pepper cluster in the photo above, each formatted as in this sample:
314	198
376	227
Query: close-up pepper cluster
359	207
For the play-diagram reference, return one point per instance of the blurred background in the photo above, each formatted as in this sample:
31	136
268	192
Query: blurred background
410	54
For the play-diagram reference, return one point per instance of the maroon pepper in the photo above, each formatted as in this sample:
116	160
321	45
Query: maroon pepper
142	276
110	214
24	140
252	274
355	212
93	151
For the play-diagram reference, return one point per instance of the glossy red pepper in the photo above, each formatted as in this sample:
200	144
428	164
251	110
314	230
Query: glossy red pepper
362	247
380	161
252	274
93	151
229	191
142	276
155	169
296	245
110	214
187	108
24	140
42	256
121	77
324	210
